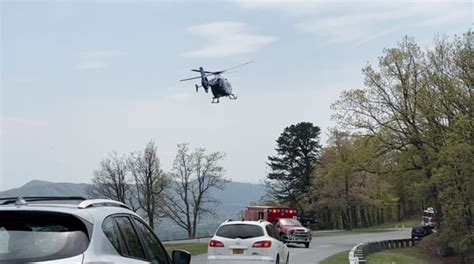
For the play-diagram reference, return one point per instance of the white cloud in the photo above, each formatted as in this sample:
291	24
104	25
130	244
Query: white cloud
93	60
290	7
361	21
226	39
348	28
457	17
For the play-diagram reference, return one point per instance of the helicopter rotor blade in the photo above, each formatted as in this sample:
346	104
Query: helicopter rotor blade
199	77
192	78
219	72
208	73
194	70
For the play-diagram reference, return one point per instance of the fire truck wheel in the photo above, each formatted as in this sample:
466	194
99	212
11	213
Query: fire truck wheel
306	245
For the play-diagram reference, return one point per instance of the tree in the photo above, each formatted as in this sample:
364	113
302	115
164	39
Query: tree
344	193
111	180
195	174
150	181
298	151
418	105
454	174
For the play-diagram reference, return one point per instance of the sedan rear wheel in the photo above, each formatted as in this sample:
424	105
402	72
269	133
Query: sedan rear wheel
277	260
287	259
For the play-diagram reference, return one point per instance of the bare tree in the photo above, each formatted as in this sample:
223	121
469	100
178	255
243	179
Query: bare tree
196	174
111	180
150	181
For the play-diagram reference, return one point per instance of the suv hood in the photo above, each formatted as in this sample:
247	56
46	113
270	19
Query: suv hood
298	228
294	228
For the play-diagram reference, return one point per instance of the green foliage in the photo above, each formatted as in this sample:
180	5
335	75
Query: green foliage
347	191
298	150
193	248
454	175
413	255
416	112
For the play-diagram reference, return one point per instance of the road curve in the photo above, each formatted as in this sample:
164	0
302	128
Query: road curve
325	246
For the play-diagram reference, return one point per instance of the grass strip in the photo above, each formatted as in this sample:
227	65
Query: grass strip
339	258
193	248
412	255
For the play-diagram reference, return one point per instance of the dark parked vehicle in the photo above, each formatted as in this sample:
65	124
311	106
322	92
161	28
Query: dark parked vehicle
421	230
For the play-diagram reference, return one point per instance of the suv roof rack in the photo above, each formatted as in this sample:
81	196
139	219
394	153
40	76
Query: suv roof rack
23	200
101	202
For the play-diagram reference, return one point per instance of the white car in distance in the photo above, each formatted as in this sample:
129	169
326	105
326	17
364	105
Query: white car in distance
247	242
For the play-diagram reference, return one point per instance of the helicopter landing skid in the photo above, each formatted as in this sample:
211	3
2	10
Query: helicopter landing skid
215	100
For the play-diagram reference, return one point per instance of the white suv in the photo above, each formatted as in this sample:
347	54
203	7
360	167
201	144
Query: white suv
74	230
247	242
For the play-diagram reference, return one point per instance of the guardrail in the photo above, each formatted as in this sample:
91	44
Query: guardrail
359	253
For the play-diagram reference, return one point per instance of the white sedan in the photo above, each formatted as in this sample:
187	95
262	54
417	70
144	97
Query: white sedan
247	242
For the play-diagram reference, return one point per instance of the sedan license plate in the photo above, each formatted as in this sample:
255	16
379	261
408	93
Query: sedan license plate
237	251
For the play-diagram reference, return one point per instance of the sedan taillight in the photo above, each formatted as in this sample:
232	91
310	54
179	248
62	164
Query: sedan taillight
262	244
215	243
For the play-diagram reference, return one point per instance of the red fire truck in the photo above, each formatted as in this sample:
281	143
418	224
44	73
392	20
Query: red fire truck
285	221
268	213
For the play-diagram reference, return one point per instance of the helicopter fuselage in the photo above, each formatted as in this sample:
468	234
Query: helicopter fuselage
220	87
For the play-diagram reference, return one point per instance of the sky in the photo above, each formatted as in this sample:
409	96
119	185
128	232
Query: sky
80	79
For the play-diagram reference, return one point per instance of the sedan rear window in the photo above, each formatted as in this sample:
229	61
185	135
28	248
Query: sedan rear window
39	236
242	231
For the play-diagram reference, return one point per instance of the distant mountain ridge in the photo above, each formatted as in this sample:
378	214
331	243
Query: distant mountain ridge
46	188
232	200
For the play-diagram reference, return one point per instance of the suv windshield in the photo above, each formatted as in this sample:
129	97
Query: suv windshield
290	222
242	231
39	236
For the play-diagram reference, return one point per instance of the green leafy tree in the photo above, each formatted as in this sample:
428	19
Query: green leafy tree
454	174
298	151
346	195
389	106
418	105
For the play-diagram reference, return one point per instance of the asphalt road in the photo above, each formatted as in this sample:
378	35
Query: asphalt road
325	246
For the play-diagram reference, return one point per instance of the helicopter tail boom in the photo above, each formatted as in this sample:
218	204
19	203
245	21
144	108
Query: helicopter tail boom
204	80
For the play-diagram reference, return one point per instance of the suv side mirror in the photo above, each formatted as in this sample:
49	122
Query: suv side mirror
181	257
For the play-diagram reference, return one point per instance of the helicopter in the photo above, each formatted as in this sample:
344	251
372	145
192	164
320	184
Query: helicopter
219	85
